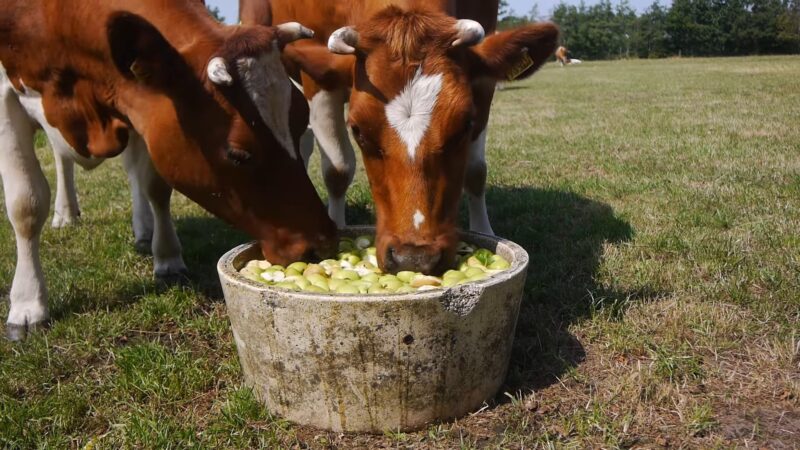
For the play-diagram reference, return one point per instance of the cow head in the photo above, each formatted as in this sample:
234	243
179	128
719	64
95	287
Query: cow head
221	123
413	112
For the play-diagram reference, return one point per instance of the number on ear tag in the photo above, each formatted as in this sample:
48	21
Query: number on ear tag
524	63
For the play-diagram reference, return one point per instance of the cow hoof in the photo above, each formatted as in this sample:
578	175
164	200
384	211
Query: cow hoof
15	333
60	221
168	279
18	333
143	246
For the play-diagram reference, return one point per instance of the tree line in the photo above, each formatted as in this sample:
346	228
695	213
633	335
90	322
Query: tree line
686	28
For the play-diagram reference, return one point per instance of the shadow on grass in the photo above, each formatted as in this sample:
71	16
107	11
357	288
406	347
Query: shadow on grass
513	87
204	240
564	234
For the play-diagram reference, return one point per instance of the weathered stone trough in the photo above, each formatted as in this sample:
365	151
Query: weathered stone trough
378	362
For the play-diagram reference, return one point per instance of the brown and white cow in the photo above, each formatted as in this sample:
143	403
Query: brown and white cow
562	56
207	108
419	76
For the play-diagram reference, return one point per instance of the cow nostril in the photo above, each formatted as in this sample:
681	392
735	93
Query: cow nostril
417	259
391	258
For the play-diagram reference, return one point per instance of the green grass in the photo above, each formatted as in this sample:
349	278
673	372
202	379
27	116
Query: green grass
660	204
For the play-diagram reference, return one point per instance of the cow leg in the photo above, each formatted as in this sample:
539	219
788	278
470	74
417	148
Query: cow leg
336	152
475	186
67	211
27	201
142	220
307	146
168	265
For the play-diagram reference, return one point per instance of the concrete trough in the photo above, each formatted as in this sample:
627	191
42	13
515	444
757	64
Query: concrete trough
372	363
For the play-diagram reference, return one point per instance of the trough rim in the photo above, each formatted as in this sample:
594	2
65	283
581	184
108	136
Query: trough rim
226	269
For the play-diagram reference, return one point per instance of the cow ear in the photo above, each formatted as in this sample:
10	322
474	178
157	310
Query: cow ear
516	54
139	51
327	69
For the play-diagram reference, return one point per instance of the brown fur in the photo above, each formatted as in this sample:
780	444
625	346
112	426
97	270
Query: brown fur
409	35
105	67
561	55
396	38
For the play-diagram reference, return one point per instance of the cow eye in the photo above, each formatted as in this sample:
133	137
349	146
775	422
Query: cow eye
468	126
358	136
237	156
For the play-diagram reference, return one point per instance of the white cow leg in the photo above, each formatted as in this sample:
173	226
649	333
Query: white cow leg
475	186
336	152
27	201
168	265
67	211
142	220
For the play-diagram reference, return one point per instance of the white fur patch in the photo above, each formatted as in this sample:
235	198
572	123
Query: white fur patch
267	84
419	219
27	202
410	112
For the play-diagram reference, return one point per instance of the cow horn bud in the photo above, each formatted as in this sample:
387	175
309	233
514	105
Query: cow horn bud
343	41
469	33
292	31
217	71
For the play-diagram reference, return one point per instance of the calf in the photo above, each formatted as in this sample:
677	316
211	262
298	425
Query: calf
189	103
419	77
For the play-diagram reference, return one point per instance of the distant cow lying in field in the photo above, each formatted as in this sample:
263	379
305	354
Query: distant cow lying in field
562	56
206	108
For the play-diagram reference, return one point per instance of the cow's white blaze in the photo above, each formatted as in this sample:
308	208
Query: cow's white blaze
419	219
267	84
410	112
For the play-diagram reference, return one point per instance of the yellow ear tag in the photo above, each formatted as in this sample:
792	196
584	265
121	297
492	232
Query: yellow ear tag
139	72
524	63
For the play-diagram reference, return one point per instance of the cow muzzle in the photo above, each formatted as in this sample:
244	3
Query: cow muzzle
413	258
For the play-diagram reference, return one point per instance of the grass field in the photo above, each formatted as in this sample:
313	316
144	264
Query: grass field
660	203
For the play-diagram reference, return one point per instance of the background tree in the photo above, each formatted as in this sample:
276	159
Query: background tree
533	13
503	9
789	27
216	13
508	17
650	38
685	28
